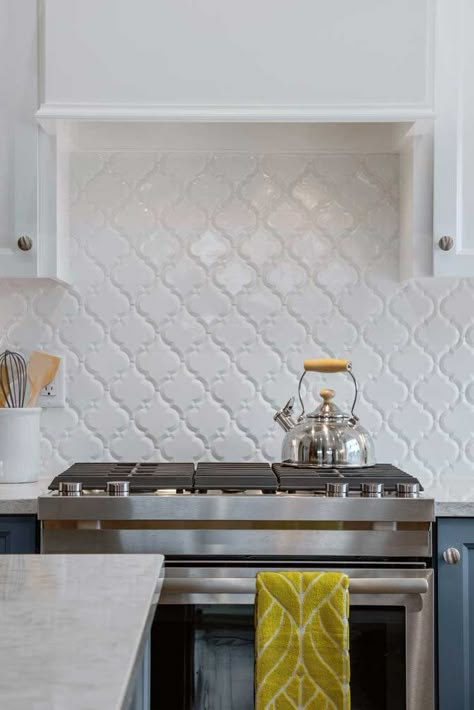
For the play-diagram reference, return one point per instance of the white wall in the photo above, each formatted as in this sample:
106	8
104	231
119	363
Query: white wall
202	280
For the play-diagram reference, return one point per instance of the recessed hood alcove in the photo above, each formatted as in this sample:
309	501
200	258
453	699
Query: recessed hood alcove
411	141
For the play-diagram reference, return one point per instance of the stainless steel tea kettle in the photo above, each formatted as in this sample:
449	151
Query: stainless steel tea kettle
326	438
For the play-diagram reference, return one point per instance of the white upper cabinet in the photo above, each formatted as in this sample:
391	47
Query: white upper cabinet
18	135
454	140
29	174
266	60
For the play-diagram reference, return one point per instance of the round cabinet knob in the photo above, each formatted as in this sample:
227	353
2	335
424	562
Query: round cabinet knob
25	243
451	556
446	243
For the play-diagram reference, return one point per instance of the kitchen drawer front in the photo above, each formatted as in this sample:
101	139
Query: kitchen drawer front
267	60
18	534
456	613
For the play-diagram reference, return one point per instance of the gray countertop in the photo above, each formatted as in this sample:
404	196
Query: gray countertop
21	498
73	627
454	495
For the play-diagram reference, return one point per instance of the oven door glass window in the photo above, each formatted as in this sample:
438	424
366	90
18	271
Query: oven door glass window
203	657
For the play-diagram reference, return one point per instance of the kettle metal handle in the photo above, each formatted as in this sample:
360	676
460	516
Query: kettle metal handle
328	364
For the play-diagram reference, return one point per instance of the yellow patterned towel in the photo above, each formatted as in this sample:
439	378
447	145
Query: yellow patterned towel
302	641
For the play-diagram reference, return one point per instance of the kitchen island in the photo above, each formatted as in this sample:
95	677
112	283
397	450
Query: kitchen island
75	629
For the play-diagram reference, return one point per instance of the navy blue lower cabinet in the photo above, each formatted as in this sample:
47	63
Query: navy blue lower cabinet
456	613
141	682
18	534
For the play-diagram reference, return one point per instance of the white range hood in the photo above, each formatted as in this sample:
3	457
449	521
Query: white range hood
208	60
129	71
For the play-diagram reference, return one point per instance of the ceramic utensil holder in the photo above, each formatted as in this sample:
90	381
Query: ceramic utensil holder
19	444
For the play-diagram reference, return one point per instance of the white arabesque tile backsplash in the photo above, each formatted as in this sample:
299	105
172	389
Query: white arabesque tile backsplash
200	282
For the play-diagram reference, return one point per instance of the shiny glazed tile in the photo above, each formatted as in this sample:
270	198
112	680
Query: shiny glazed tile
202	280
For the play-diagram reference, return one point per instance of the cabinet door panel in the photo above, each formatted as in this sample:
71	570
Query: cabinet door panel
454	138
211	57
18	534
456	615
18	136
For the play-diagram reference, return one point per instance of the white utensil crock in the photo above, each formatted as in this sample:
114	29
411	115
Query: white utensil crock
19	444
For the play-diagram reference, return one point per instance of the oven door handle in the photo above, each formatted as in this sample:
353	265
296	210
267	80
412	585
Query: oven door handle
234	585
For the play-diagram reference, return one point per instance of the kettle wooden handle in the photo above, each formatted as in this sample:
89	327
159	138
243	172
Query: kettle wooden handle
327	364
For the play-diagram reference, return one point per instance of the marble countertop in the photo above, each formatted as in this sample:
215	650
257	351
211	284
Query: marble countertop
454	495
73	627
21	498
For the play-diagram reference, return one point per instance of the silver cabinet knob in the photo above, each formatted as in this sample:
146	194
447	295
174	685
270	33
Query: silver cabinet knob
25	243
451	556
446	243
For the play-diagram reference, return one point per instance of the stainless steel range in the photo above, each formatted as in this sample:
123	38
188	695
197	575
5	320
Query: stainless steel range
218	524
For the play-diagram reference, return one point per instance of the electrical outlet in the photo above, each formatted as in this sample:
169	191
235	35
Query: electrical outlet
54	394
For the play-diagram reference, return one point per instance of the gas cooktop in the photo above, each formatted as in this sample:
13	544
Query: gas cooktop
147	478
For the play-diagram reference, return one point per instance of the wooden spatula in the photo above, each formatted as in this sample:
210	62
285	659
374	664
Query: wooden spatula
4	389
42	369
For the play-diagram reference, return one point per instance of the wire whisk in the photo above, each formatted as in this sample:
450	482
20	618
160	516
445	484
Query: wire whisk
13	379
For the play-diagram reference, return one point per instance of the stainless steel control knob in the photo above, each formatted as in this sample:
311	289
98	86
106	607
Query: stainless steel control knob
337	490
70	488
451	556
371	490
118	488
407	490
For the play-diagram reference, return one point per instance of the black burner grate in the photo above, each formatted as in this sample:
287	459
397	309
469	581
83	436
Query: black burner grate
228	477
142	477
311	479
234	476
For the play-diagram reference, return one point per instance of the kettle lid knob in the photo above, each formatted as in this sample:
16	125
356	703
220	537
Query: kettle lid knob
327	395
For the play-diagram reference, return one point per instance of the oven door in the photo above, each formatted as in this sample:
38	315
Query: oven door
203	636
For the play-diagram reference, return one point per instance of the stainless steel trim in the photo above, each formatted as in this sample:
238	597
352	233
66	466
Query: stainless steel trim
235	507
246	542
231	585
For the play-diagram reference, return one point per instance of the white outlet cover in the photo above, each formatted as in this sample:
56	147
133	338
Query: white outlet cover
54	394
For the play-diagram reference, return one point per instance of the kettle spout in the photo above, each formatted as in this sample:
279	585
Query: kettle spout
283	416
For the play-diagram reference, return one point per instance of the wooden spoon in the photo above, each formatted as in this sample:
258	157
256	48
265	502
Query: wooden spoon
42	370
